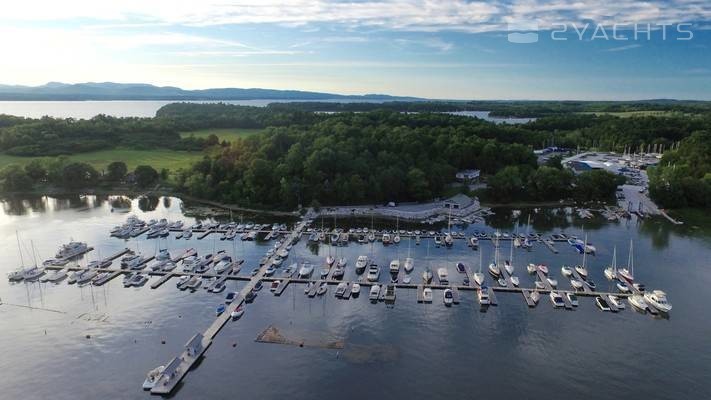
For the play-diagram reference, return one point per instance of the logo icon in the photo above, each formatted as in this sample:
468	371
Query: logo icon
524	31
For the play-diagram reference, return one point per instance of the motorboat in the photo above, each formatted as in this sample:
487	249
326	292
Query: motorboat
658	300
566	271
168	266
218	287
342	262
152	377
617	302
373	273
572	298
637	301
474	242
258	285
355	289
163	255
580	269
85	276
193	283
341	289
273	287
322	289
448	240
55	276
639	286
138	280
386	238
389	293
556	299
222	266
552	281
438	240
622	287
269	271
306	270
374	292
590	284
531	268
220	309
181	283
338	272
602	304
543	268
409	264
308	287
539	285
237	313
230	297
251	295
483	295
330	260
443	276
394	266
508	267
447	297
494	270
361	264
427	295
515	281
502	282
576	284
461	268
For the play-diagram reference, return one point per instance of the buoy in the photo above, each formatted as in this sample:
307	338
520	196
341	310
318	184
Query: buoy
162	341
88	336
234	344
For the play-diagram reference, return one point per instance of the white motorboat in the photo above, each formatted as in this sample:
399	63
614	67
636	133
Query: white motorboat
447	297
576	284
552	281
180	283
386	238
361	264
389	293
543	268
515	281
502	282
427	275
86	276
394	266
373	273
152	378
409	265
55	276
566	271
448	240
531	268
483	295
322	289
637	301
572	298
222	266
443	276
342	262
341	289
355	289
617	302
556	299
427	295
539	285
306	270
330	260
163	255
658	300
374	292
622	287
238	312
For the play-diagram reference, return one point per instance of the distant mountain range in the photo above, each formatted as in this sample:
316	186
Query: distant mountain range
141	91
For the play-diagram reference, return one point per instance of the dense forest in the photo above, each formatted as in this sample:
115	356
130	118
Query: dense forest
378	153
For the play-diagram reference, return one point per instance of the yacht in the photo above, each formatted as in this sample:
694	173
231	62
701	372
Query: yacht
566	271
341	289
658	300
602	304
409	264
361	263
443	276
447	297
373	273
71	249
580	269
572	298
427	275
556	299
355	289
394	266
483	295
427	295
617	302
374	292
306	270
163	255
637	301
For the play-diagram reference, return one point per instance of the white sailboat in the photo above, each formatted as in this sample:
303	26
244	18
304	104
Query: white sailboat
581	269
509	265
628	273
611	271
479	276
409	261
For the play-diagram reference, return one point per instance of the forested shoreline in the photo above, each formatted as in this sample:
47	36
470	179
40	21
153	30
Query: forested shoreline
374	155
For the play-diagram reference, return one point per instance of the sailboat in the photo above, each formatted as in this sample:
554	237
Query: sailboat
628	273
396	236
427	273
494	267
611	271
509	264
448	239
479	276
409	262
581	269
19	274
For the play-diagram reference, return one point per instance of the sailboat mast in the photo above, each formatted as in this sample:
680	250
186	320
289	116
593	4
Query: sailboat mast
584	248
32	244
19	248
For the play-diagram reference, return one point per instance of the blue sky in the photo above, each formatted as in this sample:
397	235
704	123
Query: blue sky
437	49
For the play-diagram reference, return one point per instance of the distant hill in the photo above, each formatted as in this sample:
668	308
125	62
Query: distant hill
141	91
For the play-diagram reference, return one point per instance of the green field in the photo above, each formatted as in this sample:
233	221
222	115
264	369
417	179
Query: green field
158	159
229	134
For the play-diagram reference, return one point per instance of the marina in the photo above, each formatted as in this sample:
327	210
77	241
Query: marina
460	281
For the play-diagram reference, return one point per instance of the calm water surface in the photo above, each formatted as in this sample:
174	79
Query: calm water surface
408	351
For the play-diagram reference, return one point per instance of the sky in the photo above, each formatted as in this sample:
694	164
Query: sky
458	49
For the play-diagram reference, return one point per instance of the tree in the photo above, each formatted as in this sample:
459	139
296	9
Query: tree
417	185
36	170
79	175
597	184
554	161
549	183
506	184
15	179
116	171
145	175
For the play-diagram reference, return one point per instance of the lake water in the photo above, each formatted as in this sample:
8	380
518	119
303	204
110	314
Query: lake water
408	351
148	108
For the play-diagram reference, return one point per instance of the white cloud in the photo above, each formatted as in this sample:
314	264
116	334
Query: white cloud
623	48
412	15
